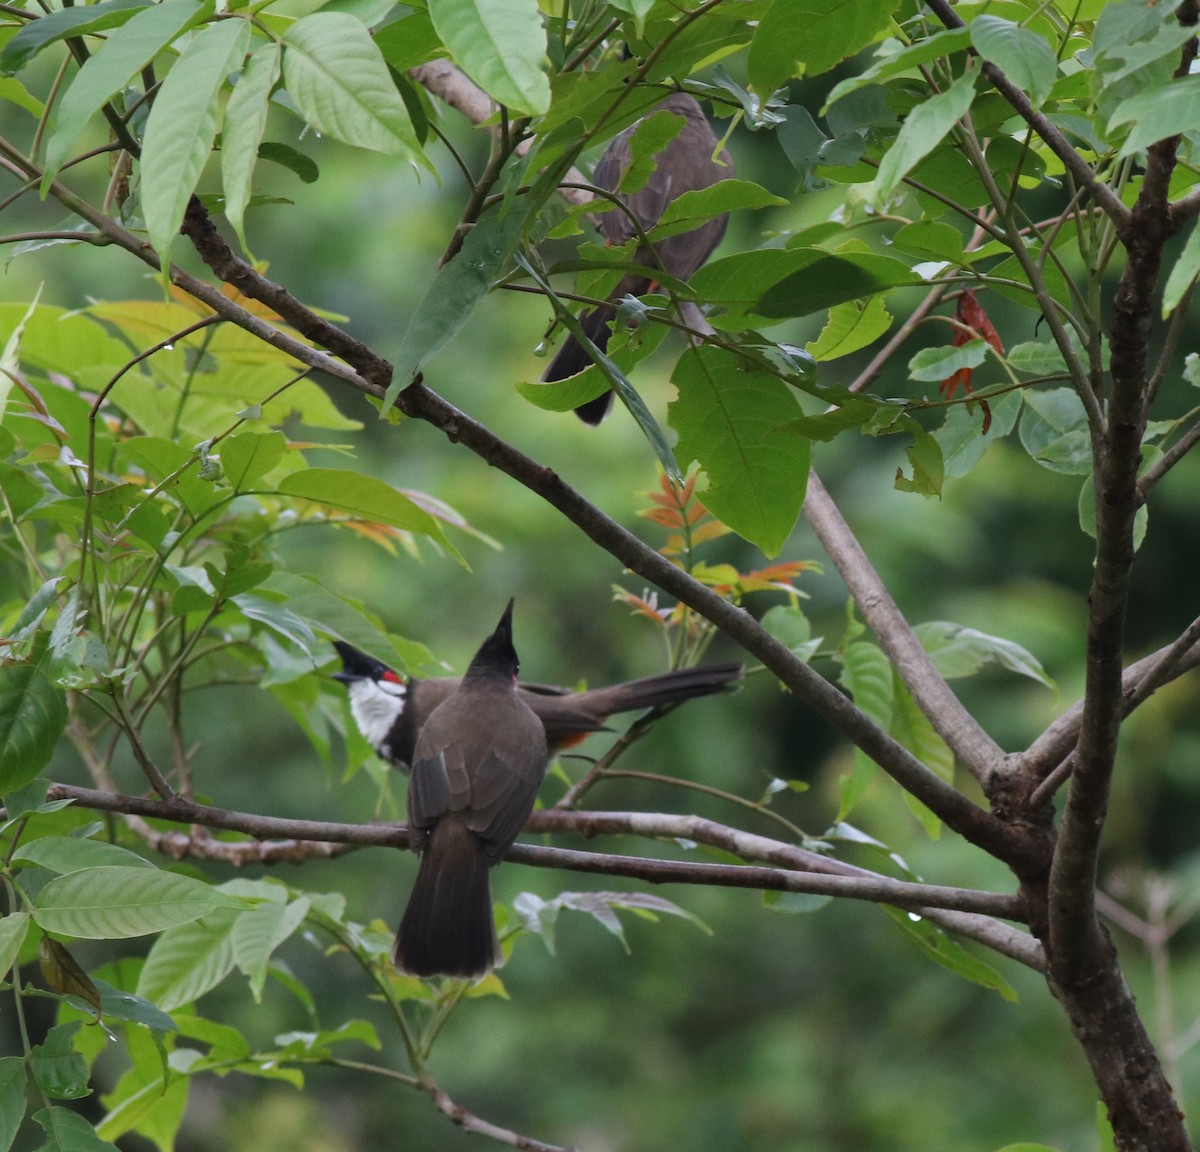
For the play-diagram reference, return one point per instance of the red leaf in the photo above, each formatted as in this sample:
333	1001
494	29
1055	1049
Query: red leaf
973	323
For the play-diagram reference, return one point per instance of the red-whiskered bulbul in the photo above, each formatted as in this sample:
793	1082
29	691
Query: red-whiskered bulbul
476	768
390	710
687	163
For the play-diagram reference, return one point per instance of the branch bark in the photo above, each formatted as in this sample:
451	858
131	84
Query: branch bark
973	747
857	884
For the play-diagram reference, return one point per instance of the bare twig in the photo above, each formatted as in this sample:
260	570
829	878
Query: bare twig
469	1122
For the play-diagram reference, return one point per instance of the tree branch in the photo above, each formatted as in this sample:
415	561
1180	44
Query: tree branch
1080	170
860	885
973	747
950	805
1074	937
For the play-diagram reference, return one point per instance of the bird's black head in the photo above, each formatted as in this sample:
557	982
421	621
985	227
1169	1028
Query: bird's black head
378	697
358	665
497	655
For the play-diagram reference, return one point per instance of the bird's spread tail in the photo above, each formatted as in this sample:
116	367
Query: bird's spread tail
447	928
666	688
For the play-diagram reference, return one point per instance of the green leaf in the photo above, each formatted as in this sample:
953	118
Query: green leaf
1026	1147
456	291
696	207
33	714
957	651
1183	273
125	53
278	618
248	456
1035	358
825	279
911	727
1020	53
928	468
936	364
893	58
960	437
12	1099
30	799
924	128
410	41
35	35
345	619
785	46
65	854
342	86
364	497
59	1070
1166	110
795	903
112	902
182	127
728	416
627	347
930	239
67	1131
258	932
290	158
638	9
226	1045
13	929
146	1099
789	625
540	916
650	136
949	954
851	326
189	960
1054	430
1087	507
117	1004
867	675
500	44
245	123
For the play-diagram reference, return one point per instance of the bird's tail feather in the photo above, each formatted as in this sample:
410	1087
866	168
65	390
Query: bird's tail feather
447	928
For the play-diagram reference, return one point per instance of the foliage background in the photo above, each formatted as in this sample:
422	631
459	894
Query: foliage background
822	1033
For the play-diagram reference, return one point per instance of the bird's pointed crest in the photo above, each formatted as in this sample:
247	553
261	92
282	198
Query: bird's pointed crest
497	653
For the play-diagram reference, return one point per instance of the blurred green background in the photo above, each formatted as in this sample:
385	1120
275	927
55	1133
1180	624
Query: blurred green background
827	1032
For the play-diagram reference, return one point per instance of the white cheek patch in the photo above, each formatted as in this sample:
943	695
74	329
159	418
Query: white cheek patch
376	706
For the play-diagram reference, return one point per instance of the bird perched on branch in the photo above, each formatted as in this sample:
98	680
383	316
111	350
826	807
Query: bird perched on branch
390	709
478	762
687	163
478	749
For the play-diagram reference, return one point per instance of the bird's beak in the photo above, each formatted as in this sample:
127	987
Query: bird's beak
347	677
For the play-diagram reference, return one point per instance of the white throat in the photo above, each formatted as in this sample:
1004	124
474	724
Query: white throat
376	705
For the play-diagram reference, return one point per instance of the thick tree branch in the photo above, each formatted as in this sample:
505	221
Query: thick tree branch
949	804
1074	938
973	747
